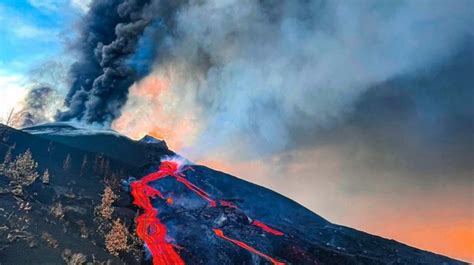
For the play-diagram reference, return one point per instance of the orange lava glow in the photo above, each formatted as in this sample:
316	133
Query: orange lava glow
154	109
149	227
153	232
266	228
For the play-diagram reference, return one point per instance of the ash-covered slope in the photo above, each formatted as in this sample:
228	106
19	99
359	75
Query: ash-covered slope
208	217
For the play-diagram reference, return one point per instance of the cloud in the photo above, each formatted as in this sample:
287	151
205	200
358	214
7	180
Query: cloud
46	5
255	73
12	92
57	5
26	31
82	5
19	26
36	105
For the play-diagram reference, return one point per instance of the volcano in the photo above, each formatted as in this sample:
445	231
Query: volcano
172	211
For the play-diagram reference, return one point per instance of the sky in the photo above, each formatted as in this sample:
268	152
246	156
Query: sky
362	113
32	33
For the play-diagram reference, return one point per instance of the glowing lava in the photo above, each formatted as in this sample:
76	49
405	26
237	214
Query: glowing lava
220	234
153	232
197	190
266	228
149	227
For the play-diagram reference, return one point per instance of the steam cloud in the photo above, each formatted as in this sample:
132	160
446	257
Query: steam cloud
256	71
35	106
259	71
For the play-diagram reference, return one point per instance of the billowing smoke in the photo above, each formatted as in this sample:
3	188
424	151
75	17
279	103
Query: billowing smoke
348	107
261	72
35	107
101	77
208	74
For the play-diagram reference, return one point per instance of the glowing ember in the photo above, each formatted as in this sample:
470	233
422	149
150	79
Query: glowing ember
220	234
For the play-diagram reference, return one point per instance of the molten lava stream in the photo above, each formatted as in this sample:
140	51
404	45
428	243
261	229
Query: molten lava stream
266	228
153	232
149	227
196	189
241	244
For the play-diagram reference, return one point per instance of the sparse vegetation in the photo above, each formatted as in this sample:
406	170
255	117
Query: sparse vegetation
21	172
67	162
101	165
112	181
77	259
105	209
45	177
6	161
103	212
73	259
50	147
49	239
116	236
84	165
8	157
57	211
116	239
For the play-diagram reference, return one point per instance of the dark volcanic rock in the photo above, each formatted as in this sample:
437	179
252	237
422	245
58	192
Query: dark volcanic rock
34	231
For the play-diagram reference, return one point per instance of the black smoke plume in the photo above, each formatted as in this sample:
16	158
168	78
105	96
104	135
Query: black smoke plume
109	34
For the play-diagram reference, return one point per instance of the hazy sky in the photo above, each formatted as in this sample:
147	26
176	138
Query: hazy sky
359	110
32	33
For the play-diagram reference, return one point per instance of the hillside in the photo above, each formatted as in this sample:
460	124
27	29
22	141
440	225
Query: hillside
204	216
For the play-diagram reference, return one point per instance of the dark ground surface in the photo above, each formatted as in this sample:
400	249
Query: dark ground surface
31	234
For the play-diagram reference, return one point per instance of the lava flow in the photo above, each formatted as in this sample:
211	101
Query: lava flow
266	228
149	227
241	244
153	232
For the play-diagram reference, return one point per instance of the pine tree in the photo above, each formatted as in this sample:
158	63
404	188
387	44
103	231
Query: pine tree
116	239
50	147
6	160
106	209
45	177
21	172
8	157
67	162
84	165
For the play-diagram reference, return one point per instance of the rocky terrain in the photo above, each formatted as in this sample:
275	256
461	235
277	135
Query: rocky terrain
67	193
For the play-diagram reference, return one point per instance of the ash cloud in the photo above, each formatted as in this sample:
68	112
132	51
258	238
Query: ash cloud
101	77
45	87
259	71
270	75
35	106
